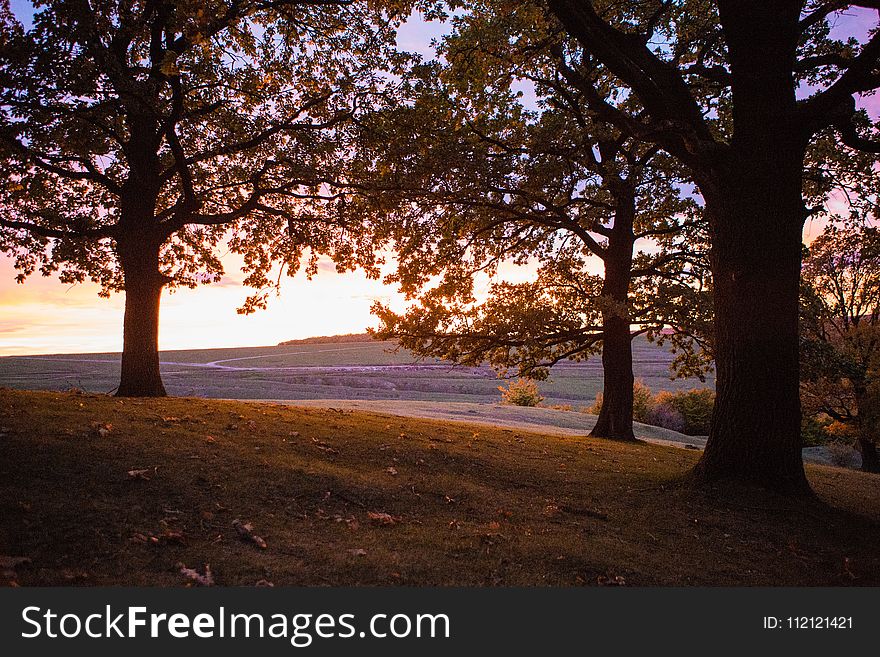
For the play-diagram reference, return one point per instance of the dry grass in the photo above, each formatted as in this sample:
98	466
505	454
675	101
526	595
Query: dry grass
473	506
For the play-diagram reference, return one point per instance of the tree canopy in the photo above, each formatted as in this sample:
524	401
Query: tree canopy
140	138
840	331
497	159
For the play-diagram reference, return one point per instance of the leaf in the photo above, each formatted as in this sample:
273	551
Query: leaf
194	576
140	474
168	65
392	471
357	552
382	519
246	533
167	537
324	447
610	580
11	563
100	429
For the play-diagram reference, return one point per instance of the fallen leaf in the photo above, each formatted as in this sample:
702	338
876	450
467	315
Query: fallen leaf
611	580
170	537
140	474
324	447
264	583
246	533
358	552
392	471
382	519
100	429
11	563
194	576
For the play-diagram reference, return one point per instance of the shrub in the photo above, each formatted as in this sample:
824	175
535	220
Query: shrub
522	392
695	407
643	402
666	416
841	453
688	411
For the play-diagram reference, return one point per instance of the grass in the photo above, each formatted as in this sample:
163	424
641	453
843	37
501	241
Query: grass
469	506
328	370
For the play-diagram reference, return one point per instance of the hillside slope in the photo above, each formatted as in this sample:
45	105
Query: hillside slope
98	490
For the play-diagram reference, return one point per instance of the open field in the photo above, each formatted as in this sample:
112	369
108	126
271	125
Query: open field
356	370
97	490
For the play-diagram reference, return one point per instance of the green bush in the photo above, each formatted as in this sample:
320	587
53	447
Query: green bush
695	407
522	392
643	402
687	411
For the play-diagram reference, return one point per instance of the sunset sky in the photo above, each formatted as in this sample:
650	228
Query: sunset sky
46	316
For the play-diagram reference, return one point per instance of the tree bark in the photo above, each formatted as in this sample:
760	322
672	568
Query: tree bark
752	190
616	415
140	375
868	422
756	215
868	449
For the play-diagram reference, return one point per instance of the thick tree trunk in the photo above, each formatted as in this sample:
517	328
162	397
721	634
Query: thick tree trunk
756	214
868	423
140	375
868	449
616	415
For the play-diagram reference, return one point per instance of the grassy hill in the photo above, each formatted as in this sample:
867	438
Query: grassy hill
355	369
97	490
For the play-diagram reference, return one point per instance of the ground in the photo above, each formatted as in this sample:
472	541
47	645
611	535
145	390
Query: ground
329	370
96	490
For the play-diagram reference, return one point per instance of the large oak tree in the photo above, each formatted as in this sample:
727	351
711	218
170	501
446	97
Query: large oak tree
140	137
840	332
475	177
737	90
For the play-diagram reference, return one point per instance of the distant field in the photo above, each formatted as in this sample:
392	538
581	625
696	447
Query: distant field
328	370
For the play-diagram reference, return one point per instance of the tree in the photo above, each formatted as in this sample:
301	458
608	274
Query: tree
717	85
137	137
840	328
481	178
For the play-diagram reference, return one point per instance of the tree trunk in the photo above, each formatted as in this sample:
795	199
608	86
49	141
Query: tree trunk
616	415
140	375
868	422
756	215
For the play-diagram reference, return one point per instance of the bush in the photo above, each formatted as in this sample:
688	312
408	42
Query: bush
643	402
841	453
695	407
522	392
688	412
666	416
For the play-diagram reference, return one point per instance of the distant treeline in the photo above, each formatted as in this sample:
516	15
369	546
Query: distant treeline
332	339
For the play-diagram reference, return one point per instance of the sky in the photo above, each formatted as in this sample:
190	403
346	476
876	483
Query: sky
44	316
